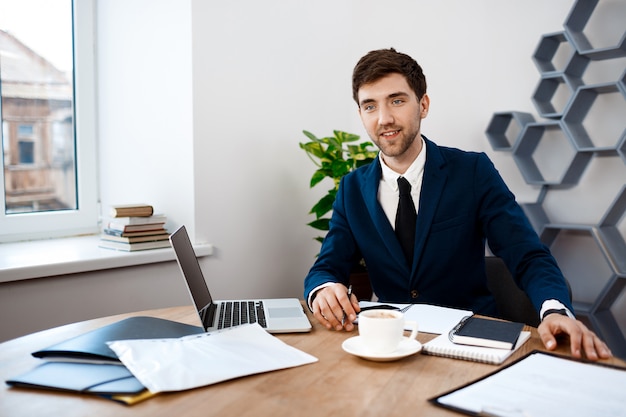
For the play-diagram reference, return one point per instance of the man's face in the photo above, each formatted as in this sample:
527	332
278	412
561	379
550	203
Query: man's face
392	115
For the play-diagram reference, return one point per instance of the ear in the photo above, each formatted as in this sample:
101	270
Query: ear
424	106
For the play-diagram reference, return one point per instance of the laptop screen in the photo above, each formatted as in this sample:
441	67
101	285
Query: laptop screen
190	267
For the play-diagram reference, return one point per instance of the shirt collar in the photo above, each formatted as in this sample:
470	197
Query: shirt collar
412	174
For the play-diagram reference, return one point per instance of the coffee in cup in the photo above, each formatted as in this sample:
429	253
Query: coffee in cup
383	330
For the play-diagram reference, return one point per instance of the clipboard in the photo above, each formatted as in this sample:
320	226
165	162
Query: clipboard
534	389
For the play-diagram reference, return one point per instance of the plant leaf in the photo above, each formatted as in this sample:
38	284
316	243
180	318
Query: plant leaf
320	224
310	135
317	177
340	168
323	206
345	136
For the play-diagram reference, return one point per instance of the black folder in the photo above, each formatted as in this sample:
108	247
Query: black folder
90	378
92	346
110	381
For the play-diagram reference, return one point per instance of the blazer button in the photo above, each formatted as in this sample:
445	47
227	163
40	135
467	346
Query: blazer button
414	294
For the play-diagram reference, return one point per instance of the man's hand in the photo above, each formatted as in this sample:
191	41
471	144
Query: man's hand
333	309
581	338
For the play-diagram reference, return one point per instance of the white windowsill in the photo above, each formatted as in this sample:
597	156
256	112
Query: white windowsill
43	258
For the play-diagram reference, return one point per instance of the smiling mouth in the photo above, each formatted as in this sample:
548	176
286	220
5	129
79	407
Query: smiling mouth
390	134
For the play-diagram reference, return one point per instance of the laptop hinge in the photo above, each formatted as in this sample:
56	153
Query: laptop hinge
208	315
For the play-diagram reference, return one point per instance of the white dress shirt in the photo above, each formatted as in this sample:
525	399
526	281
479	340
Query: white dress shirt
388	193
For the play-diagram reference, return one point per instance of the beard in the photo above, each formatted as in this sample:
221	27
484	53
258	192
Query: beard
399	145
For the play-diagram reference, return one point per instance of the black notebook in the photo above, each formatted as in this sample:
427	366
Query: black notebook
92	346
478	331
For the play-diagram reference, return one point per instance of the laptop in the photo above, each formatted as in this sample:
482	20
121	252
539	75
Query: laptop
276	315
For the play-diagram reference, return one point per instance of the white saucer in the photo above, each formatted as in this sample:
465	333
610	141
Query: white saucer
407	347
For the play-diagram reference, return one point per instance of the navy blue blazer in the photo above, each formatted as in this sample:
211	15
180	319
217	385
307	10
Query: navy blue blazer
464	203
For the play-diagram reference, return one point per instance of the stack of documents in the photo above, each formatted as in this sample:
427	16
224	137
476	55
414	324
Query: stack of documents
112	362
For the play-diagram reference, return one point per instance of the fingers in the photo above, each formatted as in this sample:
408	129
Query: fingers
582	340
594	347
548	340
355	304
333	309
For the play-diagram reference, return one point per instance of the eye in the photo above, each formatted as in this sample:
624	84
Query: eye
368	108
397	101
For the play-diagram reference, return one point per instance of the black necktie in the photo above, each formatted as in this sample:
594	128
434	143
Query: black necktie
405	219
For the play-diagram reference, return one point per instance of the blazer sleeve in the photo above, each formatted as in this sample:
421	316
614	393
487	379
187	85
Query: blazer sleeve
511	237
338	252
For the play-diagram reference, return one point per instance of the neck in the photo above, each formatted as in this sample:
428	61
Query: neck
401	163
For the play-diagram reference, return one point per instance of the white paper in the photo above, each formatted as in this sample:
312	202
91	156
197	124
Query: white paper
429	318
545	385
198	360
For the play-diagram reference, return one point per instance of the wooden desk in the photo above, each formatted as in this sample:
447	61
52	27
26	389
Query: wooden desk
339	384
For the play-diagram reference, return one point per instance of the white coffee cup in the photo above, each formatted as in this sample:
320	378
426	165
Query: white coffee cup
383	330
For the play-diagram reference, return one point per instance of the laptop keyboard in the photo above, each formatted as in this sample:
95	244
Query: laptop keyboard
234	313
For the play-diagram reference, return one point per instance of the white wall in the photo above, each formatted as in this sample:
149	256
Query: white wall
37	304
145	105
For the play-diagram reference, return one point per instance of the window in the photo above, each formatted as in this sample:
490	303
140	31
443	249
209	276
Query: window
25	153
48	181
25	149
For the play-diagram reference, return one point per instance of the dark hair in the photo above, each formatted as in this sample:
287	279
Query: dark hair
380	63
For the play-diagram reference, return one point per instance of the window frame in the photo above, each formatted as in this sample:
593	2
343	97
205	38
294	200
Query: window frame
84	219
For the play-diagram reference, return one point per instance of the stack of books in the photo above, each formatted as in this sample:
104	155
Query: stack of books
134	227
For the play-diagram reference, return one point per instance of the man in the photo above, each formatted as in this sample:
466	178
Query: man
461	202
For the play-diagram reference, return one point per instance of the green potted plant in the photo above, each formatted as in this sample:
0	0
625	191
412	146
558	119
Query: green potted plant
335	156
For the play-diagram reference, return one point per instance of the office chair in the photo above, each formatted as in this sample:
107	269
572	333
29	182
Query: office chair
512	303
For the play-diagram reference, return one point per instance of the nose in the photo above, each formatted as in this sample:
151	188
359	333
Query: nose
385	116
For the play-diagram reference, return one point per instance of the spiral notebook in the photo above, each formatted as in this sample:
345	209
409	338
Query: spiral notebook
442	346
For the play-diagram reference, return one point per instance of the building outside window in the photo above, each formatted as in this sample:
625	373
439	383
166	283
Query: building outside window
48	187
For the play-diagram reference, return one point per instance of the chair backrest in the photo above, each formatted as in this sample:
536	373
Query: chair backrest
512	303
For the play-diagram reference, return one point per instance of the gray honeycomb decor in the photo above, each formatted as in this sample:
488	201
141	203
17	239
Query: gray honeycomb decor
553	151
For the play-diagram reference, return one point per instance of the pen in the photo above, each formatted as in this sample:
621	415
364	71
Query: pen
343	320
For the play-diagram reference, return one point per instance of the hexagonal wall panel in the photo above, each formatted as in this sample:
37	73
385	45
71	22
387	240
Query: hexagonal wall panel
553	93
592	29
617	309
505	128
621	149
555	53
546	155
594	118
580	256
586	122
535	212
612	231
607	310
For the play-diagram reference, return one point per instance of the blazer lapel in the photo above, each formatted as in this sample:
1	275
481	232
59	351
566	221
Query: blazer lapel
435	176
385	230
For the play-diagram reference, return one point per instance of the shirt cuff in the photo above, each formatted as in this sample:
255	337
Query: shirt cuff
554	305
309	300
